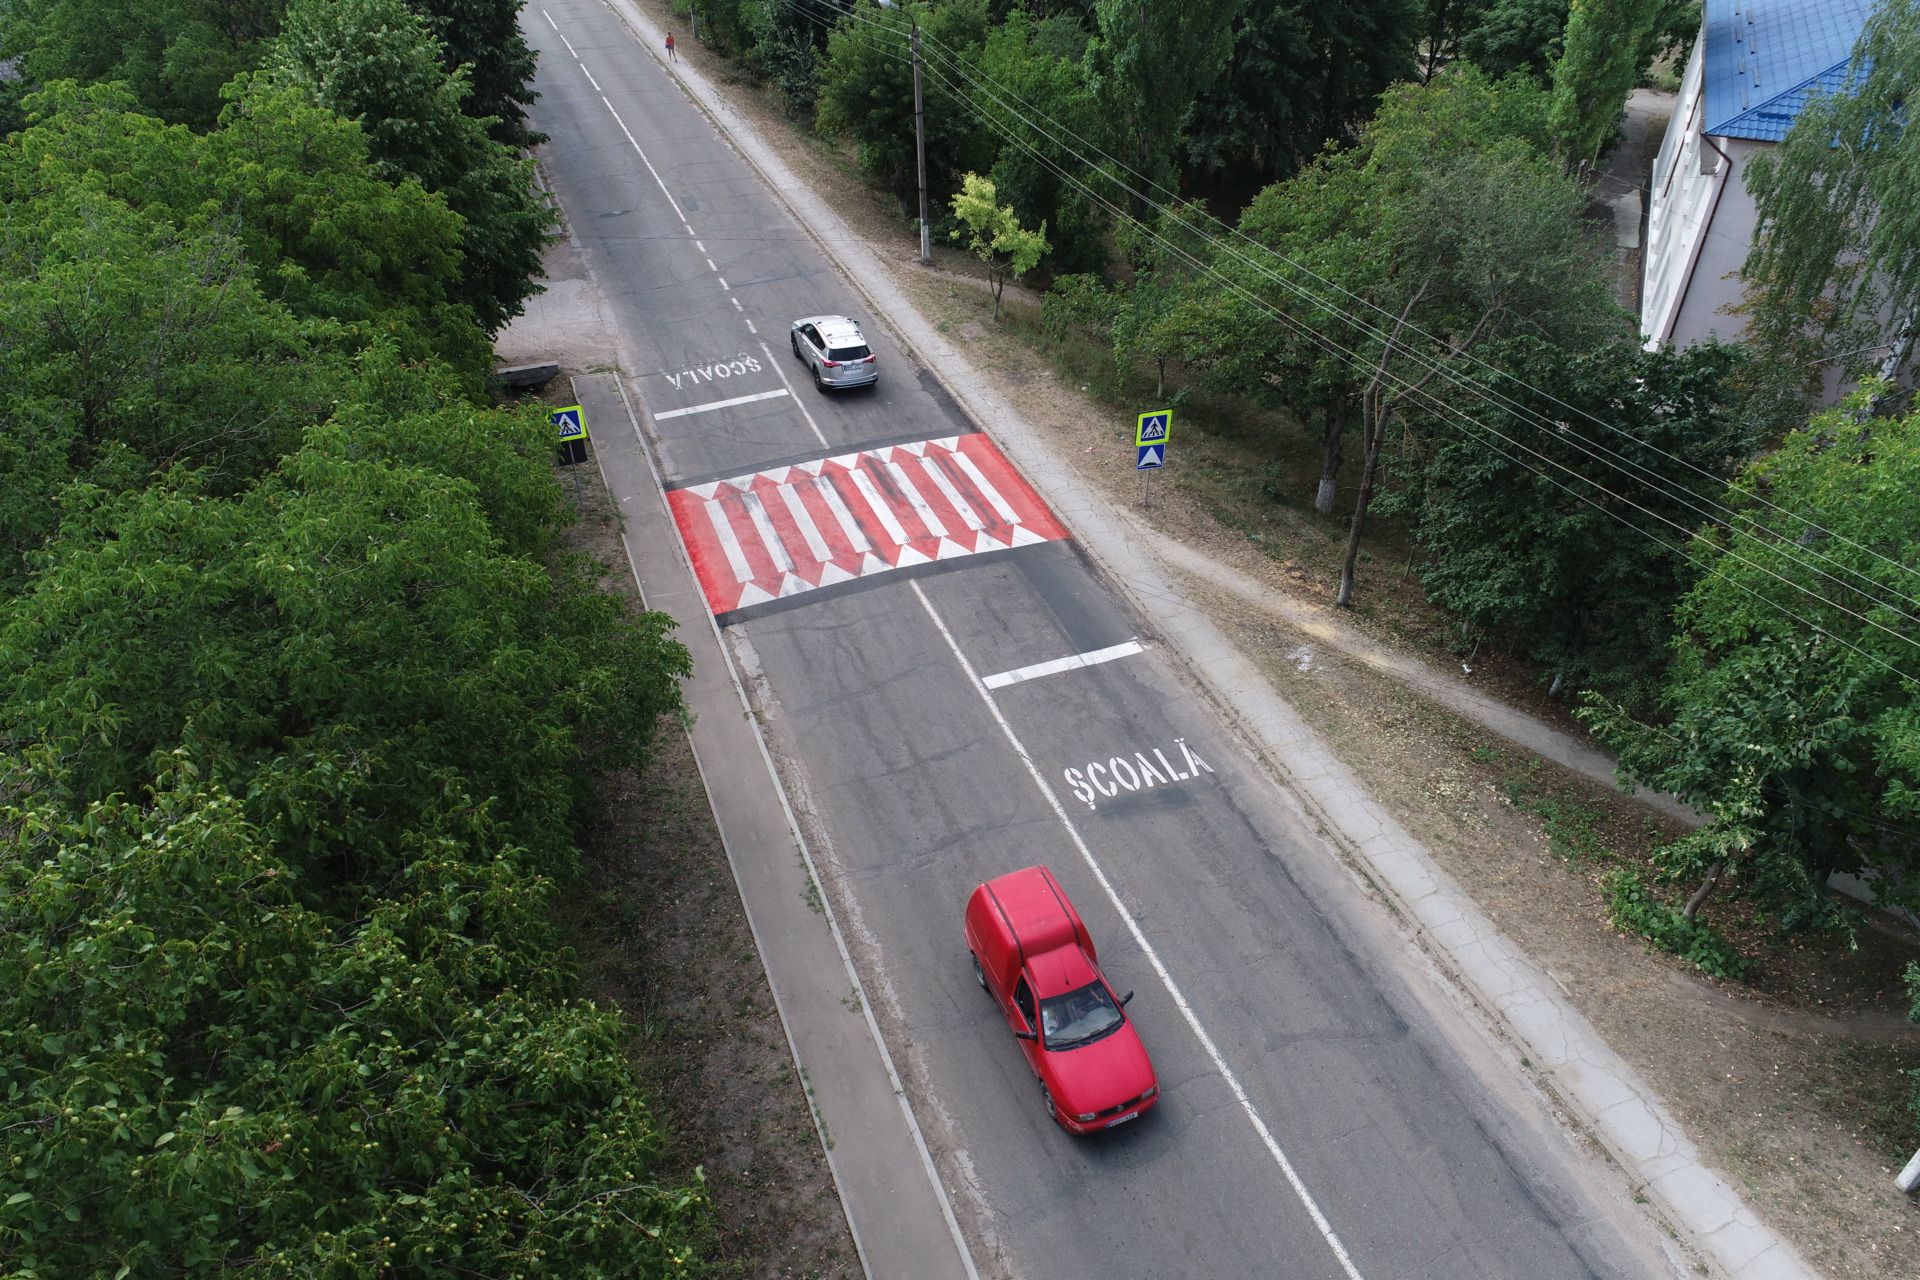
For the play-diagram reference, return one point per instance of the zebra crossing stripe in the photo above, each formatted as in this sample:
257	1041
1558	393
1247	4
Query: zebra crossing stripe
782	532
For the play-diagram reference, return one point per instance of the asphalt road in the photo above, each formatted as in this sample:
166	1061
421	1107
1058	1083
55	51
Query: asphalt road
1324	1113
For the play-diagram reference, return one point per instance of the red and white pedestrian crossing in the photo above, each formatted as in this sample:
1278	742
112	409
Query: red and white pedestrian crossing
769	535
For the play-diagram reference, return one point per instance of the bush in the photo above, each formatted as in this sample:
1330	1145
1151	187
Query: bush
1632	908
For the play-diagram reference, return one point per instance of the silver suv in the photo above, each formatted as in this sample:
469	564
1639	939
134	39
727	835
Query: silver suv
836	352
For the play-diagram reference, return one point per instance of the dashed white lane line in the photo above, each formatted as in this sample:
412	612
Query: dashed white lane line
724	284
1072	662
590	80
722	404
710	265
1305	1196
751	329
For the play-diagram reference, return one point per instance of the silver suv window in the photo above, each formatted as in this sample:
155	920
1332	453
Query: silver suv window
845	354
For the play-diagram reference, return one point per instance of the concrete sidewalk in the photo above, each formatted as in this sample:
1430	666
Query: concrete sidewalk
1618	1107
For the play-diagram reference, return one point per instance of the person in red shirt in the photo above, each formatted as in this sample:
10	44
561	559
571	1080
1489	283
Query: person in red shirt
671	55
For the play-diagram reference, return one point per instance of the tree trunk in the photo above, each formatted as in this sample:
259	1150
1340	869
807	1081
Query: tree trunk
1701	894
1376	428
1159	379
999	283
1331	437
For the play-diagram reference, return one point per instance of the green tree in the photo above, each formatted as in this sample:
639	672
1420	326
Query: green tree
994	235
1440	27
376	63
1148	63
866	95
1517	35
173	54
1608	46
1557	527
324	232
484	36
1834	275
1790	714
1301	75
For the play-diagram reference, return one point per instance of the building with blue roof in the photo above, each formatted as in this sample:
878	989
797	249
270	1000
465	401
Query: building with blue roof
1754	67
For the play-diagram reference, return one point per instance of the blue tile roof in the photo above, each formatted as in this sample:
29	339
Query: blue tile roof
1764	58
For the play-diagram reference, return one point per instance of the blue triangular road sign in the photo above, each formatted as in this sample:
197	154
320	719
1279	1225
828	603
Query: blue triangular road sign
1150	456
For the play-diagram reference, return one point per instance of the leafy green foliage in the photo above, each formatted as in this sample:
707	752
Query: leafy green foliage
208	1070
1789	714
866	95
484	36
1608	46
376	63
1631	908
1835	267
1517	35
994	235
1301	75
1147	64
1569	544
174	55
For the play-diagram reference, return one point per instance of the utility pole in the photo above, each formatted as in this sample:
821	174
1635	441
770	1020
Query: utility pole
919	133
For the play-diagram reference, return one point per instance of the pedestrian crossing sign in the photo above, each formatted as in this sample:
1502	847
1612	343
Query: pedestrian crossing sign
571	421
1153	427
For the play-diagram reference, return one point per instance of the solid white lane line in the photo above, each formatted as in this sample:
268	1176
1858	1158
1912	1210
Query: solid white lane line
1072	662
921	507
721	404
878	505
804	519
848	525
768	534
1305	1197
643	160
590	80
723	529
780	371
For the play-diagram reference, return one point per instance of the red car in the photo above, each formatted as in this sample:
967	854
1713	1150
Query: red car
1032	953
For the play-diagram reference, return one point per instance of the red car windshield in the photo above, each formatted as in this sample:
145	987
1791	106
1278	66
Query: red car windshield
1079	1017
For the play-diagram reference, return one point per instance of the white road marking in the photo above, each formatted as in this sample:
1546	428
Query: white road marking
751	329
710	265
550	21
1073	662
764	527
848	525
1305	1196
721	404
992	494
590	80
817	545
939	478
696	244
723	283
882	510
723	529
920	505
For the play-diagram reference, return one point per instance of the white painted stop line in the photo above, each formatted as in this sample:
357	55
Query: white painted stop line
719	404
1072	662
